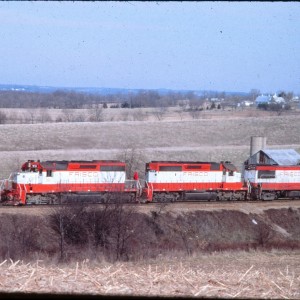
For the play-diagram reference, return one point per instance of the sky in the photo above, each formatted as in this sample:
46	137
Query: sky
220	46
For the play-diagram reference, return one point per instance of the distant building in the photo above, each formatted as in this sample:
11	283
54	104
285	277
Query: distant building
279	100
281	157
247	103
263	99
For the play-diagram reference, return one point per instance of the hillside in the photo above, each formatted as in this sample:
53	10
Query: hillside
212	139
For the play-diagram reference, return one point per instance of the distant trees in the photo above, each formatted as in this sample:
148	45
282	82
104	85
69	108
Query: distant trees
254	93
275	107
195	107
286	95
57	99
79	107
72	100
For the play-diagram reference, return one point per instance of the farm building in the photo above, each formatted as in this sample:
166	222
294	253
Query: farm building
281	157
278	99
247	103
263	99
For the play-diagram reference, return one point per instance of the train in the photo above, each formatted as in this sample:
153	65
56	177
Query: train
264	176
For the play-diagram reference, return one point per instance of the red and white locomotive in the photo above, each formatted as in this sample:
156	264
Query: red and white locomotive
266	175
40	182
273	174
176	181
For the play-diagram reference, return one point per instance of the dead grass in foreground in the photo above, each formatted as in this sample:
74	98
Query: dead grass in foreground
274	274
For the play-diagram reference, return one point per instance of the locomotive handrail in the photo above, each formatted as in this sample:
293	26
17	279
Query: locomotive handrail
249	186
22	190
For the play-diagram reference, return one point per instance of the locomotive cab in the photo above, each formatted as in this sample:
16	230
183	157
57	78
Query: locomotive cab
230	173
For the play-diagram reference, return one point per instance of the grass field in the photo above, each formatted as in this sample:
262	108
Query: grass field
223	136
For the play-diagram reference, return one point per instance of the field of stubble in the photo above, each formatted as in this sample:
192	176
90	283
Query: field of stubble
270	275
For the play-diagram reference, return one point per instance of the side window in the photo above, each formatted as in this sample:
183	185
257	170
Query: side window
49	173
264	174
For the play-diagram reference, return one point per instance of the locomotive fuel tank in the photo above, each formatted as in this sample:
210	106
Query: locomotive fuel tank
207	196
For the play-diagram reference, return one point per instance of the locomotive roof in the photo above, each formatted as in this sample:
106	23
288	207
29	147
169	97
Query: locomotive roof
80	161
63	164
182	162
229	166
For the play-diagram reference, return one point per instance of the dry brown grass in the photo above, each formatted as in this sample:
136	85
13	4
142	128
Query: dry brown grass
223	136
251	274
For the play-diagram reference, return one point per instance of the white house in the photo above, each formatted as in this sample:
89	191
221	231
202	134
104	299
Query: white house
278	100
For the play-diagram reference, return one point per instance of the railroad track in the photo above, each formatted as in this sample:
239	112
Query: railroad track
245	206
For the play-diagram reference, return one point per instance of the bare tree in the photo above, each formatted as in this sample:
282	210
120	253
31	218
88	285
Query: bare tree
67	221
3	117
44	116
99	227
80	116
68	115
125	115
138	115
31	116
17	240
195	113
159	112
195	104
134	159
123	227
180	113
183	104
96	114
254	93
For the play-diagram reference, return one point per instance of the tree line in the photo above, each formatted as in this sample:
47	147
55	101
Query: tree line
73	100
